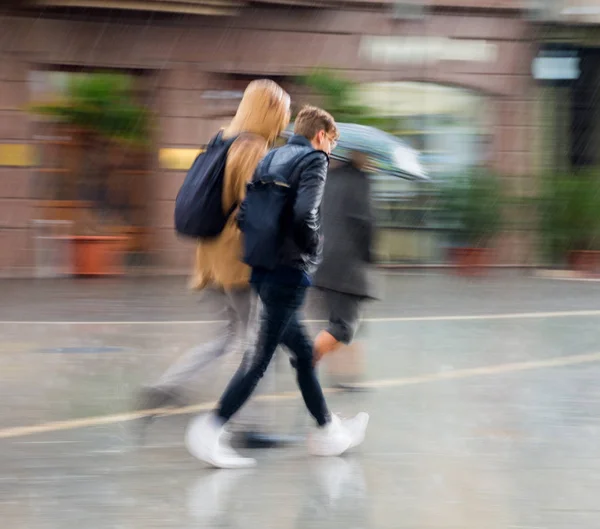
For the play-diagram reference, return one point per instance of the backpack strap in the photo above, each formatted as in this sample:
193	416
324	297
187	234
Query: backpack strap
269	159
298	161
218	138
215	140
265	166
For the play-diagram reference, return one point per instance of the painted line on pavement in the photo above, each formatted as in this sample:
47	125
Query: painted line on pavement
457	374
581	279
461	317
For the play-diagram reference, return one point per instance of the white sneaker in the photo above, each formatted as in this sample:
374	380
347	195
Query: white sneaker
330	440
207	441
338	436
357	427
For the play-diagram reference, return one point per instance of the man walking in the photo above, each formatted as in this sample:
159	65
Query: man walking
346	277
303	164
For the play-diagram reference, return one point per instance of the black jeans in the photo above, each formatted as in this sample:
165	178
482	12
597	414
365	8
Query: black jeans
279	325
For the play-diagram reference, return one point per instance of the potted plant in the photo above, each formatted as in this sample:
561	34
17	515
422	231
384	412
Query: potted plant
471	211
107	126
570	221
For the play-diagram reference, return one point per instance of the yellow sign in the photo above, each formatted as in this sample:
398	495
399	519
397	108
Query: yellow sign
17	155
177	159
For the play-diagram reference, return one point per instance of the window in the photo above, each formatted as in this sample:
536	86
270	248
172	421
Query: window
448	125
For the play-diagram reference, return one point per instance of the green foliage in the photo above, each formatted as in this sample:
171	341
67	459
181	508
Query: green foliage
101	109
471	206
338	96
102	104
570	214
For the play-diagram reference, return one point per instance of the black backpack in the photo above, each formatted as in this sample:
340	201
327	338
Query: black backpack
262	214
199	207
260	217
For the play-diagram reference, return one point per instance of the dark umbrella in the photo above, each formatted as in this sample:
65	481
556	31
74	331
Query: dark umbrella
387	154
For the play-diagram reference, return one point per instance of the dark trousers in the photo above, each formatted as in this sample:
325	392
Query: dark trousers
279	324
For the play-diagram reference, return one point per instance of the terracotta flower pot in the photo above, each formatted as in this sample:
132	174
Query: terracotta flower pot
471	261
586	262
98	255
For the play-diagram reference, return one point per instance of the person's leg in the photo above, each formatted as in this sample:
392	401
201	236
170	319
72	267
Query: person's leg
238	305
253	426
279	304
199	358
325	343
345	362
204	438
243	301
344	318
169	388
297	341
334	436
246	306
346	367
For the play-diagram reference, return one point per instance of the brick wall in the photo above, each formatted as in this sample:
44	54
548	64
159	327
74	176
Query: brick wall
15	182
186	55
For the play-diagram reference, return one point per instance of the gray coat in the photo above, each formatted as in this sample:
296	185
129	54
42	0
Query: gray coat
348	230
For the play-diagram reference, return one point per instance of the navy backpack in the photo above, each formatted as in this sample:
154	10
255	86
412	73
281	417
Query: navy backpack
199	207
261	214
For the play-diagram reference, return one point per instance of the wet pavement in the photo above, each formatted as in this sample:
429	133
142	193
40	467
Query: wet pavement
485	408
405	294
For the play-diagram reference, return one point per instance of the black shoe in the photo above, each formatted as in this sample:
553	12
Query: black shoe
350	387
256	440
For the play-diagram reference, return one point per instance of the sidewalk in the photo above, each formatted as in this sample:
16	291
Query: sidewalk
481	421
406	294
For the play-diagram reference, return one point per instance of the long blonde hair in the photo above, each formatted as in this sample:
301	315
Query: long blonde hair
264	110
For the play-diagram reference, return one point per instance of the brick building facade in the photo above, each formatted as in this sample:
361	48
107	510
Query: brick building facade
190	69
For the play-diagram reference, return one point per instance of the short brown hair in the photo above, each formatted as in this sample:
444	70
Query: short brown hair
311	120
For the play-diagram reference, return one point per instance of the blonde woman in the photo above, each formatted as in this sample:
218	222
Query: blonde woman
262	115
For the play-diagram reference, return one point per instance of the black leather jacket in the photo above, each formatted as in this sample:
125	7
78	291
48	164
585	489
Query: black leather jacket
305	169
